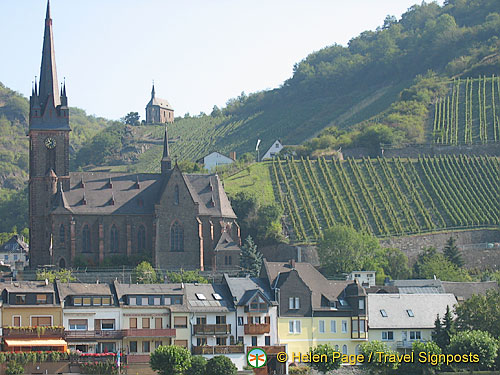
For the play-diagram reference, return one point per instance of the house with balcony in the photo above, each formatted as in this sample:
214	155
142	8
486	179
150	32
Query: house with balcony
31	317
91	317
150	316
213	322
400	319
256	318
314	310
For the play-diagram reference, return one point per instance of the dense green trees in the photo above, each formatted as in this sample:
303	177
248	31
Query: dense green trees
220	365
324	366
452	253
144	273
432	264
170	360
251	258
478	343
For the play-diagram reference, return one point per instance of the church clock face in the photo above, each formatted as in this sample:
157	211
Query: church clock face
50	143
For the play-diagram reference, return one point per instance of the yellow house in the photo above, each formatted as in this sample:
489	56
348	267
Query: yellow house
31	317
400	319
314	310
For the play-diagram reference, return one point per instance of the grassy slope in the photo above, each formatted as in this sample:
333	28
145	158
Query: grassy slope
255	179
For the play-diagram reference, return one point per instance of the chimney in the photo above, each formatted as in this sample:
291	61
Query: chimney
292	263
232	155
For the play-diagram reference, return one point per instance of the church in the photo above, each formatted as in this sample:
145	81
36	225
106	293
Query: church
177	220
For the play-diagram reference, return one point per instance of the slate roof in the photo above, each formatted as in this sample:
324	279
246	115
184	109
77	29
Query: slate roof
81	289
137	194
418	286
242	289
315	281
147	289
226	243
14	244
465	290
210	303
29	287
425	308
162	103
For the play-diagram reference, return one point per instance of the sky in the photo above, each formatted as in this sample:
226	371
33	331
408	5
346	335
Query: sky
200	53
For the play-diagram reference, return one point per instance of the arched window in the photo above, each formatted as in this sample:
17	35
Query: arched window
86	239
176	237
114	239
176	195
344	349
62	234
62	263
141	239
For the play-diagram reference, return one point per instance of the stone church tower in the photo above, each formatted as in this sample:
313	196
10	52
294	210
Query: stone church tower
175	220
49	148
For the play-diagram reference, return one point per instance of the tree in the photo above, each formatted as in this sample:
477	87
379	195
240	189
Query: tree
144	273
417	367
342	249
216	112
63	275
395	264
132	118
430	263
243	204
251	258
480	312
220	365
377	365
198	366
186	277
325	366
170	360
452	253
473	343
268	224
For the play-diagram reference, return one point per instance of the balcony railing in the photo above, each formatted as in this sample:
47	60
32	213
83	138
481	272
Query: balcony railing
99	334
212	329
147	332
271	349
218	349
31	332
257	329
406	344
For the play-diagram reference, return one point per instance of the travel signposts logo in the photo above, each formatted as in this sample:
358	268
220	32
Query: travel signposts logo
256	358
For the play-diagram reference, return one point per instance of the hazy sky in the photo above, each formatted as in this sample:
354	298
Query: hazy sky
199	52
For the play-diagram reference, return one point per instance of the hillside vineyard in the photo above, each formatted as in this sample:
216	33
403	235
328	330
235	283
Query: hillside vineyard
469	114
385	196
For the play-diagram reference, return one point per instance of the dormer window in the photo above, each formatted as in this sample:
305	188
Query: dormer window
257	304
410	313
201	296
383	313
21	299
41	299
217	296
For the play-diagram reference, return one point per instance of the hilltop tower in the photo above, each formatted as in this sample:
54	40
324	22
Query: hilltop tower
49	148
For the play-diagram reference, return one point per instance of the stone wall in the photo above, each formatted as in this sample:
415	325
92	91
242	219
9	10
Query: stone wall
413	151
412	245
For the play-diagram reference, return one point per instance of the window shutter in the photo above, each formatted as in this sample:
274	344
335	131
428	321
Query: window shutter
267	319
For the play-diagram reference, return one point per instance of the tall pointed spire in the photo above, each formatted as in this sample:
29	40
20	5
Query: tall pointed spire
153	91
48	75
166	162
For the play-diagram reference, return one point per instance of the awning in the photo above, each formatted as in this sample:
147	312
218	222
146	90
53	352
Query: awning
90	343
26	342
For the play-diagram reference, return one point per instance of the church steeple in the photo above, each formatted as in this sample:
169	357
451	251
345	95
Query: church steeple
153	91
48	75
166	162
49	110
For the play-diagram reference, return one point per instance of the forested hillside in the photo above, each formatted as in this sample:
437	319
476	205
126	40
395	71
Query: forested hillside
381	88
386	197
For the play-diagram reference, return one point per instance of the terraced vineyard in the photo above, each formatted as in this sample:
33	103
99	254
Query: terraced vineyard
387	197
470	113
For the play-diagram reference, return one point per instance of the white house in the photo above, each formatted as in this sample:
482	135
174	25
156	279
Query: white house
275	148
213	322
91	317
365	278
400	319
211	161
14	253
